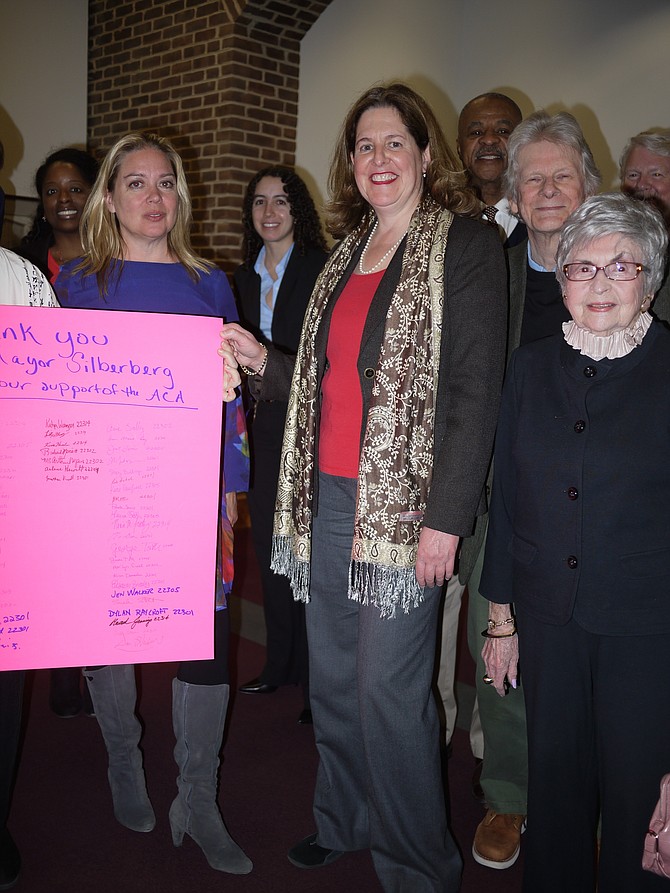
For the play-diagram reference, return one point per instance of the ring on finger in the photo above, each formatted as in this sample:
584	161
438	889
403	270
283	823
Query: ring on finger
488	680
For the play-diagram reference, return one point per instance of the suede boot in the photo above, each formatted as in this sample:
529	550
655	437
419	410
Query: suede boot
114	695
199	716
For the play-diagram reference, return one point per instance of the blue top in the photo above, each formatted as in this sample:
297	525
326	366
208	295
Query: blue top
150	288
270	284
168	288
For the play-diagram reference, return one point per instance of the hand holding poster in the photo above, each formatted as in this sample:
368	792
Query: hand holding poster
110	437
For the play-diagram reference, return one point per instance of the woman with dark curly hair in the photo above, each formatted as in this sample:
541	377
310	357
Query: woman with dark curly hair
284	252
63	184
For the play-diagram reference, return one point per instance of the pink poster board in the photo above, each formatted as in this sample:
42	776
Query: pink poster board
110	439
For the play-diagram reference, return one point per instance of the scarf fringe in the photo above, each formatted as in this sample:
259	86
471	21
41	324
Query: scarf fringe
285	562
387	588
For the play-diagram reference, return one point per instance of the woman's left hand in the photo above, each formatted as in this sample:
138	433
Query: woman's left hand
231	508
501	659
435	557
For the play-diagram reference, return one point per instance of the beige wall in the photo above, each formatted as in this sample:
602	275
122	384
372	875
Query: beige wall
606	61
43	78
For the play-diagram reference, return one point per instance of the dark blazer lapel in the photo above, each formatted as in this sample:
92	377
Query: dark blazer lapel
250	296
288	282
517	259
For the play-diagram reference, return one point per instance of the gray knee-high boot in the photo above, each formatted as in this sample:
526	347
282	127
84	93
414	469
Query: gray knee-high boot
114	696
199	716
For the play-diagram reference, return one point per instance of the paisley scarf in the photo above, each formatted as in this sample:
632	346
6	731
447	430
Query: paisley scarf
395	468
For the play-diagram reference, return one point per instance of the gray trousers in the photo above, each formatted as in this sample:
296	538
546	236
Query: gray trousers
379	781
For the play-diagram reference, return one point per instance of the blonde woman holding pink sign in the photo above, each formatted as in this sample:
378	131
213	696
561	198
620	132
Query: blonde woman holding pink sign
138	256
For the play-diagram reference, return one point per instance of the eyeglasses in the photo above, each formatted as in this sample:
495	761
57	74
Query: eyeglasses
617	271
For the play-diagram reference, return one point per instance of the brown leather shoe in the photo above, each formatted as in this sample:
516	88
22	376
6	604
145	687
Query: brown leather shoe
498	839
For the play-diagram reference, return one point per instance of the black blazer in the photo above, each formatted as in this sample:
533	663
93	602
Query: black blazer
580	514
471	367
266	423
294	293
518	235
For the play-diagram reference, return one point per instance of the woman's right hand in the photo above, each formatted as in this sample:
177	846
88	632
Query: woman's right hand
501	659
242	344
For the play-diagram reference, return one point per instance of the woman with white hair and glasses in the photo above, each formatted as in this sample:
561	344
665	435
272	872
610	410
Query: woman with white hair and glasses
578	543
550	172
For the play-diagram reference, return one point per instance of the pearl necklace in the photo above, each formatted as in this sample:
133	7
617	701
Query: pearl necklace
381	260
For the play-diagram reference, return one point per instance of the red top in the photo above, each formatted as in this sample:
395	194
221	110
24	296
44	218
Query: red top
54	267
342	400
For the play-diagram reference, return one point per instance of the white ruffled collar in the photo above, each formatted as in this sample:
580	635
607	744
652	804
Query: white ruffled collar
617	344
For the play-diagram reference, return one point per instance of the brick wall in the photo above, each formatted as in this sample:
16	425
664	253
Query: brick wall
219	77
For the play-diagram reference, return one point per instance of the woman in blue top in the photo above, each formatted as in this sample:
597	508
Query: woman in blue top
135	233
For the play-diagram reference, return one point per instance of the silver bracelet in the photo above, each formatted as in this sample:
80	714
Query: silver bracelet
262	366
488	635
494	624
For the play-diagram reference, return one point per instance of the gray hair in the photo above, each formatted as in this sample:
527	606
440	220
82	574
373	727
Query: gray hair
615	213
562	129
656	141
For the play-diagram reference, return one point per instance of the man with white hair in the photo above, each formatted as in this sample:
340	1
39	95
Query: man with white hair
644	169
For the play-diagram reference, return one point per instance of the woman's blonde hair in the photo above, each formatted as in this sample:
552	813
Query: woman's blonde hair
445	179
100	233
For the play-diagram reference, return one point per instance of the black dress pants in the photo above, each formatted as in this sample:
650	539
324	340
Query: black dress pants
11	703
598	745
286	659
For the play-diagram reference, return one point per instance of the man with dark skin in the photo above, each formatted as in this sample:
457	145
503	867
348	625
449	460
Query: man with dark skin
484	126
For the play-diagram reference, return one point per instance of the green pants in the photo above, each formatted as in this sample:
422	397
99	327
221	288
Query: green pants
505	770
